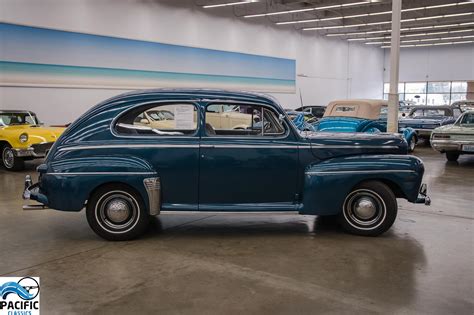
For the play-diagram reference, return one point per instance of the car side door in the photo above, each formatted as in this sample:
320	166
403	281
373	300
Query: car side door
252	168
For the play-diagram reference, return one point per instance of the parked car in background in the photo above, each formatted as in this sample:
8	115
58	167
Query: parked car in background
360	115
455	139
23	138
302	120
316	110
464	105
123	173
424	119
404	108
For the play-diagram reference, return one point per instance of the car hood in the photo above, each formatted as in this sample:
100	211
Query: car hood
455	129
328	144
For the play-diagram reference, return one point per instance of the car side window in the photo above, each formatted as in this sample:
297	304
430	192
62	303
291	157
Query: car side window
159	120
242	120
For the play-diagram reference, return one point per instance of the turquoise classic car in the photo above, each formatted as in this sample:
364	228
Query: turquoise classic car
123	171
361	115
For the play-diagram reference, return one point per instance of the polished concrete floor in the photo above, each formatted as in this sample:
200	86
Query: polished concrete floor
252	264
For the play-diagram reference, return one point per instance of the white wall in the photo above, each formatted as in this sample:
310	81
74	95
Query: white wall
327	68
436	63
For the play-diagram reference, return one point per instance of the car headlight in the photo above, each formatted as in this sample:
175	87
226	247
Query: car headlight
440	136
23	137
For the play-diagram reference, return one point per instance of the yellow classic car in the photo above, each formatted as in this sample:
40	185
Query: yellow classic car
23	138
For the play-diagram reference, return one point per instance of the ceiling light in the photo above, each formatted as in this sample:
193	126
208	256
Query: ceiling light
365	14
228	4
435	44
388	22
308	9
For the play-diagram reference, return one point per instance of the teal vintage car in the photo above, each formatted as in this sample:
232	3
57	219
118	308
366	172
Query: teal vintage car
123	171
361	115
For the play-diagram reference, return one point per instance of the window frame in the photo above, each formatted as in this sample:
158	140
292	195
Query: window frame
149	105
231	102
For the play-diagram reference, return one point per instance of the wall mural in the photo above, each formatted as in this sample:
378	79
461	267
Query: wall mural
31	56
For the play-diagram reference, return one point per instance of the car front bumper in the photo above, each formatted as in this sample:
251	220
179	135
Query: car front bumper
423	195
449	145
37	150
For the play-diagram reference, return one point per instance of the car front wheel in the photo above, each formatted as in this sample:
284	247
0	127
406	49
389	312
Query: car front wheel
369	209
117	212
10	161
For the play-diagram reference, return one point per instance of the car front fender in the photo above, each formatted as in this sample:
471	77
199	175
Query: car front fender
326	184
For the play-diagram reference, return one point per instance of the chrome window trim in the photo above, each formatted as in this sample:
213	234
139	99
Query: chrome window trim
279	136
161	102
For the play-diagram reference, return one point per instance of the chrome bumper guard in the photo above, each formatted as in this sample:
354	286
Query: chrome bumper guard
423	196
31	192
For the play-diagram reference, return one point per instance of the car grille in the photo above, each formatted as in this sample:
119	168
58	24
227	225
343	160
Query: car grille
42	148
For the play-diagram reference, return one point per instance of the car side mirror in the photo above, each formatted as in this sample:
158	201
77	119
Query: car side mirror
403	114
281	117
144	121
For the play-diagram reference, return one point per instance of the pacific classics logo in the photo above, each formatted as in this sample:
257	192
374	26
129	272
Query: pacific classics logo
19	296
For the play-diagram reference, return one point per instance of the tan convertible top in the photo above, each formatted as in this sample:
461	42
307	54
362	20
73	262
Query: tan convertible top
360	108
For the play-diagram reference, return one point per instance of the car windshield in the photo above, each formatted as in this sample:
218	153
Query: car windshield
429	113
383	112
467	119
18	118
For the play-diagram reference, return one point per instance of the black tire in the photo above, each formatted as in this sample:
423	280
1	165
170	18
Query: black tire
116	212
452	156
412	143
10	161
369	209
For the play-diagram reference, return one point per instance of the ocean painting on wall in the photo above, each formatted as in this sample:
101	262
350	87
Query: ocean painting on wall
40	57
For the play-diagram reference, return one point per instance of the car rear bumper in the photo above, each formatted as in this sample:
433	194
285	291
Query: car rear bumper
448	145
423	195
37	150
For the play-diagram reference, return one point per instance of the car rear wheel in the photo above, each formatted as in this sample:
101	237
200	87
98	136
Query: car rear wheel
369	209
10	161
452	156
117	212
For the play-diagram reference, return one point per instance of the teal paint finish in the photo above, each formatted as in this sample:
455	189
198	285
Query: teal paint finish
221	173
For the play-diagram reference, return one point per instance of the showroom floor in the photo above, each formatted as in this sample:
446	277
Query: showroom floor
252	263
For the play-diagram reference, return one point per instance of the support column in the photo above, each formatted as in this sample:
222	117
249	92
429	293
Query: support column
392	115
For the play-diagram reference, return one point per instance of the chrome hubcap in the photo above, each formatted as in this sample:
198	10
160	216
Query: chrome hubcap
365	208
8	158
117	210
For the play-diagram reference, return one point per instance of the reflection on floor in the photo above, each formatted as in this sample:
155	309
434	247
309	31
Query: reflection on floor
252	264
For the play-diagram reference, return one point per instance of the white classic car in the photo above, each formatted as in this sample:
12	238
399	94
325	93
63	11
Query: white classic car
455	139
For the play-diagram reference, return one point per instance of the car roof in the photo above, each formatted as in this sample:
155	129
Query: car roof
363	108
214	94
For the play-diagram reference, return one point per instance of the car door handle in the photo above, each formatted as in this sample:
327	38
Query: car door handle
208	146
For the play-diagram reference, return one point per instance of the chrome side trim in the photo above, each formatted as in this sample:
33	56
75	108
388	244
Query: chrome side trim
358	172
120	146
242	146
231	212
102	173
331	146
153	189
